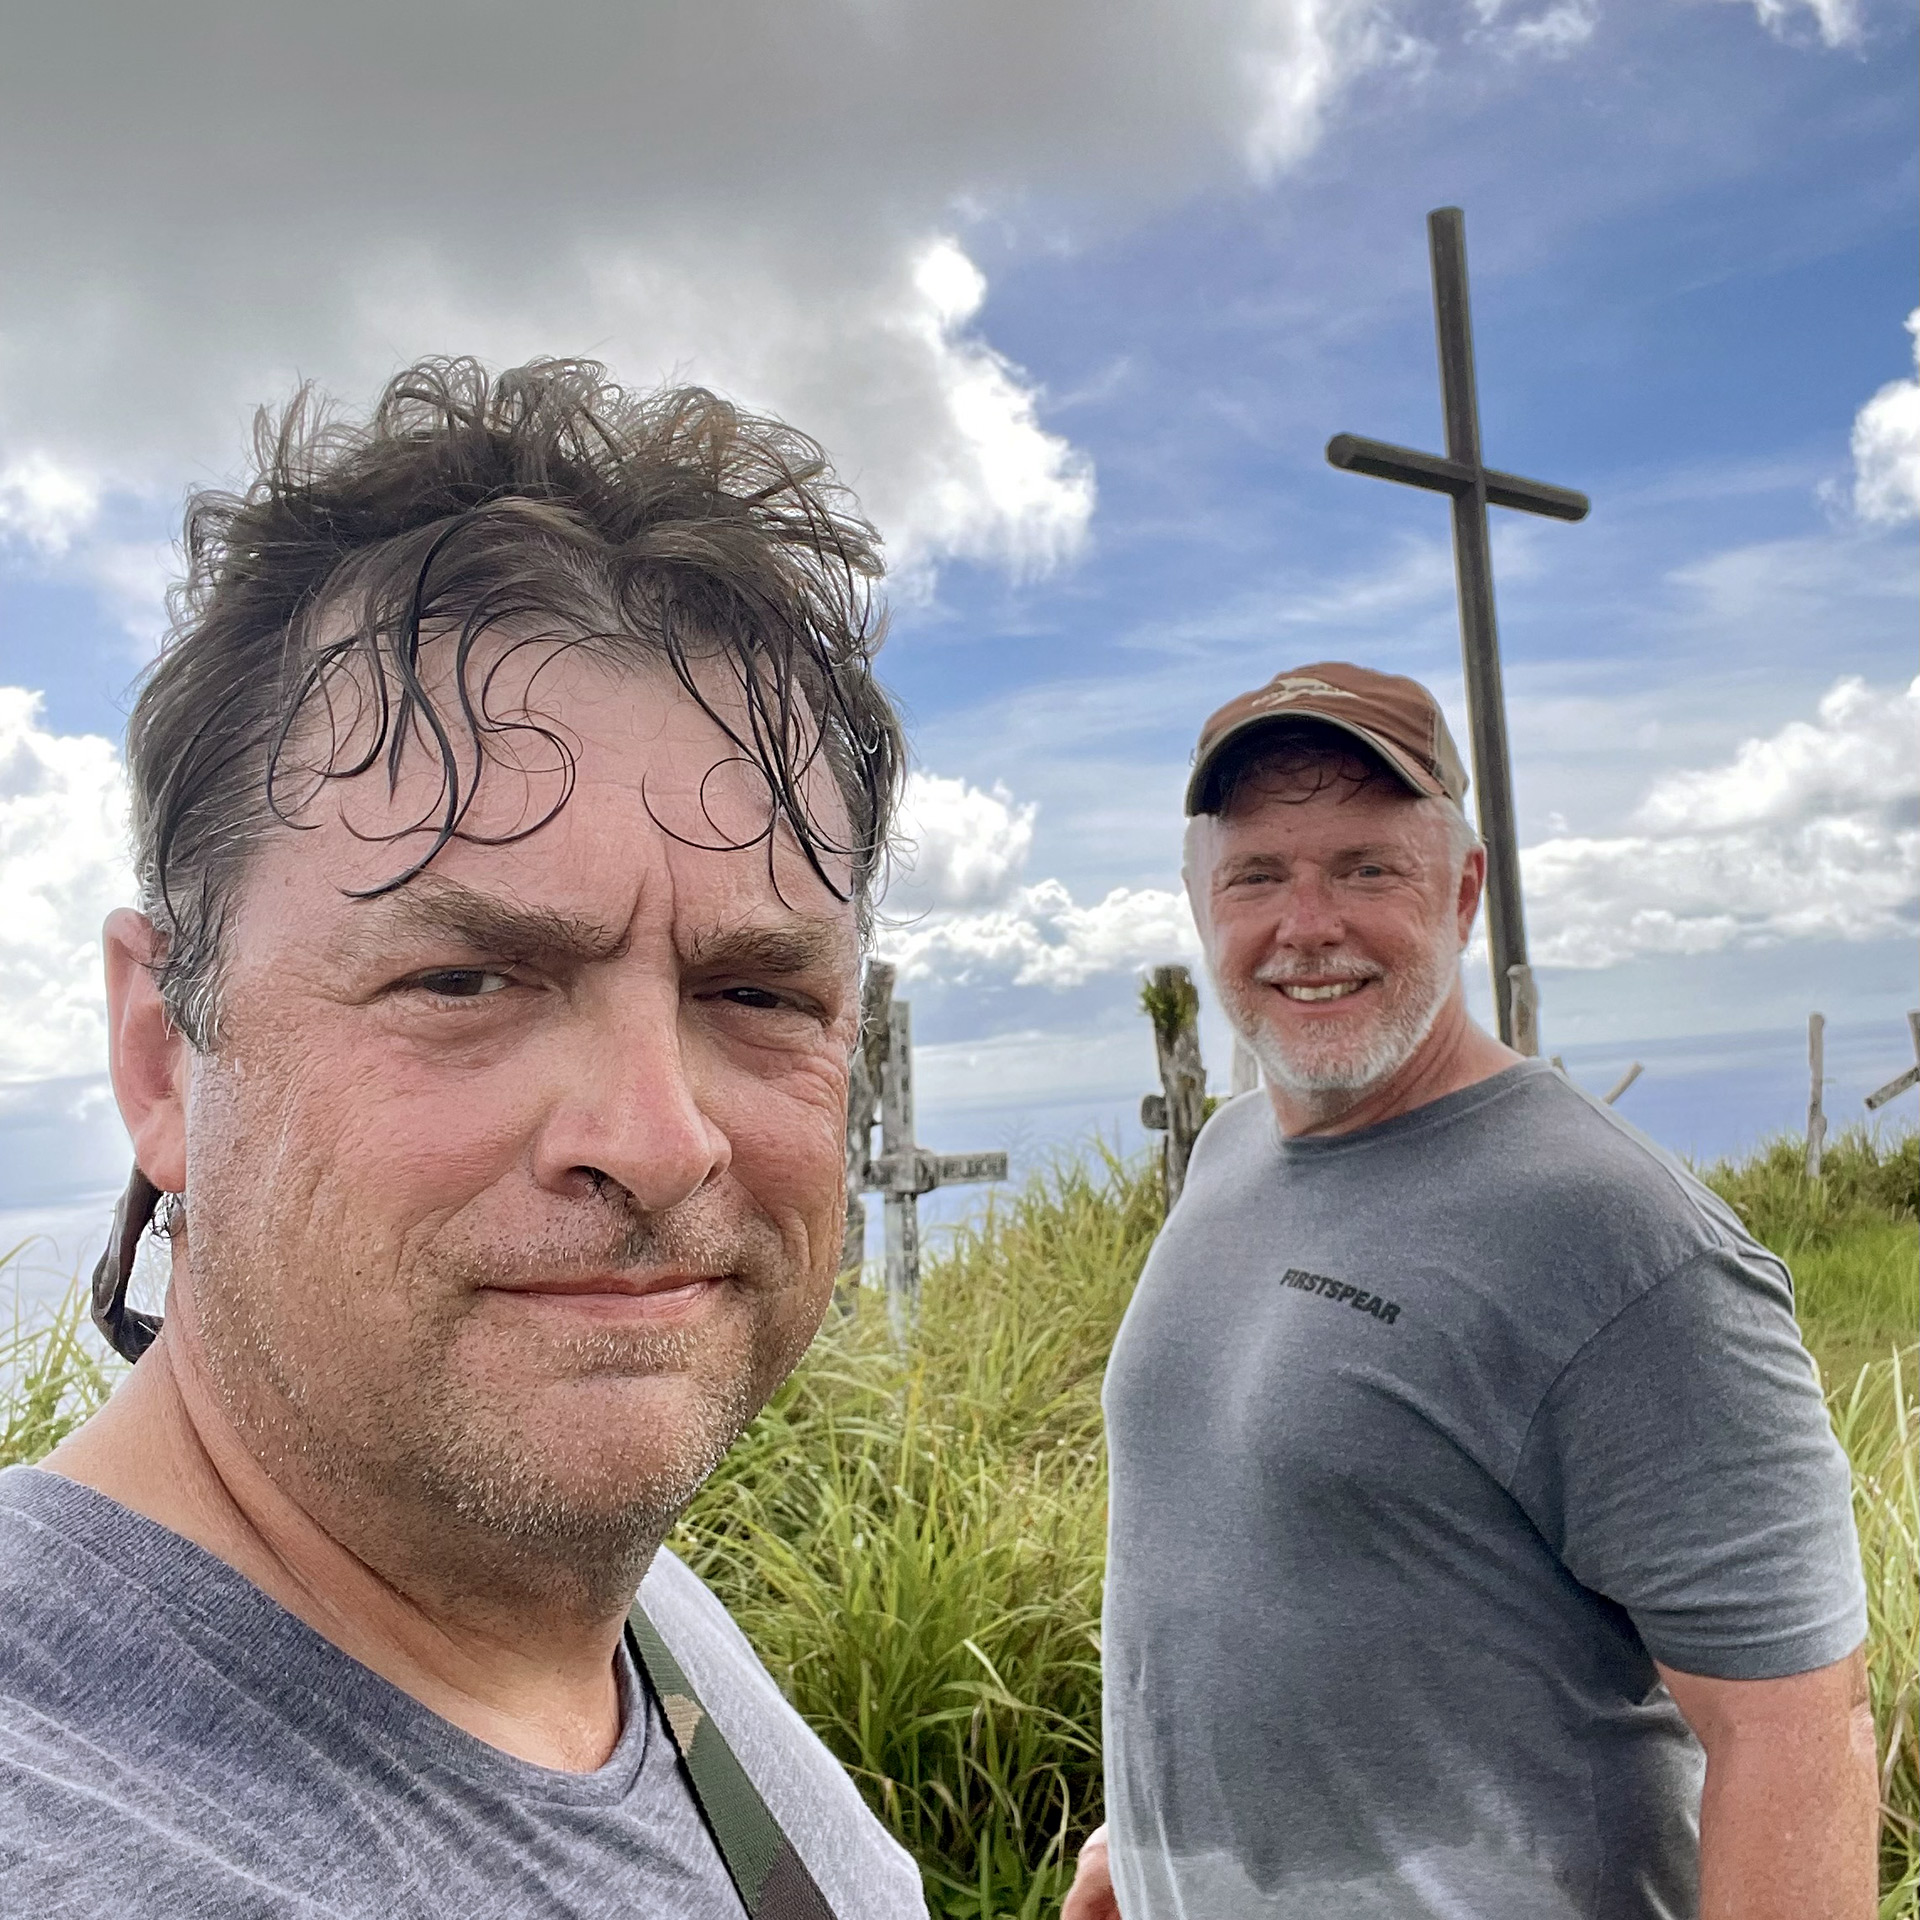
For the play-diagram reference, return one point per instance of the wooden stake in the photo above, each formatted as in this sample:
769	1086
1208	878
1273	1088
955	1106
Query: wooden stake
1816	1111
863	1109
1523	1001
882	1072
896	1142
1173	1005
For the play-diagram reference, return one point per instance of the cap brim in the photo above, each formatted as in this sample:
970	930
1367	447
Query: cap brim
1410	775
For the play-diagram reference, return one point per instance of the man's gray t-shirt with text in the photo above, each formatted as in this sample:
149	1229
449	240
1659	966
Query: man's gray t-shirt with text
174	1745
1426	1442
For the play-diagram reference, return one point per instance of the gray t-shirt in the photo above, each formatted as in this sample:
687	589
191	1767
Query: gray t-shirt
173	1743
1426	1442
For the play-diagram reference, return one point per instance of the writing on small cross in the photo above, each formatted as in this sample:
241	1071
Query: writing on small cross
1474	486
880	1085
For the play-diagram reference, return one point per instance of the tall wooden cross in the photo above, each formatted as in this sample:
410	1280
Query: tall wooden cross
1474	487
882	1078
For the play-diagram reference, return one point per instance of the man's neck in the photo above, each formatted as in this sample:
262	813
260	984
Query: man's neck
538	1685
1455	1054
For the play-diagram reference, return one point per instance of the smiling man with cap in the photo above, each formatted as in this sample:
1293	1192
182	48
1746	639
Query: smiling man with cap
1478	1545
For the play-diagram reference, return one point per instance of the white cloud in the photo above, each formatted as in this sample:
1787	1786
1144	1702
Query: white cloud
63	866
1554	33
1557	31
778	205
1042	937
959	910
1812	833
1837	21
959	846
1886	446
44	503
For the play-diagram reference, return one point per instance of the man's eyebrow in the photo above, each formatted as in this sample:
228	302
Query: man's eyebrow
432	906
1359	850
796	944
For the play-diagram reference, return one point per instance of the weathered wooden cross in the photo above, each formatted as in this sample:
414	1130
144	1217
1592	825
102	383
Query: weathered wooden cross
1474	486
1901	1082
881	1083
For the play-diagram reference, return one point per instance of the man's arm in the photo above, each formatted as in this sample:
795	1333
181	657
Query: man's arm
1791	1811
1091	1895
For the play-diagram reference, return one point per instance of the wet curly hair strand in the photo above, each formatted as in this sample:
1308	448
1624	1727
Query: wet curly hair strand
659	528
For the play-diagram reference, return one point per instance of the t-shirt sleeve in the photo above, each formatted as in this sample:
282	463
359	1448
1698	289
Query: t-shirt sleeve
1683	1465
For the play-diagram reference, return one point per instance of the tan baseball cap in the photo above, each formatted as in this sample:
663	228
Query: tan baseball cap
1398	718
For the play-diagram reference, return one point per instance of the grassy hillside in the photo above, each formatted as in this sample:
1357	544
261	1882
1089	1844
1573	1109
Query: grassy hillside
914	1542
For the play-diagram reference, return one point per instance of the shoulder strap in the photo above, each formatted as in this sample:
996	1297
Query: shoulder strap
772	1879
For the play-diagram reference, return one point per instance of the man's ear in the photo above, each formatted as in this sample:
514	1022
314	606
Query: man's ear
1196	862
147	1054
1473	880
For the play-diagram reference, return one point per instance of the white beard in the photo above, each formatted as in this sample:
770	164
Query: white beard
1350	1063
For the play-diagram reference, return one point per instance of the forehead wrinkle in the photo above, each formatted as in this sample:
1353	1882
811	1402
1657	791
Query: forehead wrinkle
432	904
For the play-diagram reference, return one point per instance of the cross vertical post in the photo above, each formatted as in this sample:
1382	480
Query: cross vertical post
902	1204
1474	486
1479	631
1816	1096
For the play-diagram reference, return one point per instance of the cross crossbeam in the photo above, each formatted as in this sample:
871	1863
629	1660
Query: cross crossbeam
1901	1082
1474	486
1352	453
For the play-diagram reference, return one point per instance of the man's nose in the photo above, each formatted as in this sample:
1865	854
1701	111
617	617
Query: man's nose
632	1111
1309	913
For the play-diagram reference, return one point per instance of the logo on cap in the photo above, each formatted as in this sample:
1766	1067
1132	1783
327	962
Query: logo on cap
1284	692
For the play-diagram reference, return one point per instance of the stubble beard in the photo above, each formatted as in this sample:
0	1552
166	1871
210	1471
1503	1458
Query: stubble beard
389	1430
1343	1067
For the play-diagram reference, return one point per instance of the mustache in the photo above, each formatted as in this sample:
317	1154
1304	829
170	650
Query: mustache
1280	971
705	1234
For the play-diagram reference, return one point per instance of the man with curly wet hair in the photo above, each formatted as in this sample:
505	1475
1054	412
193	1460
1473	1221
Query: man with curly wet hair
506	800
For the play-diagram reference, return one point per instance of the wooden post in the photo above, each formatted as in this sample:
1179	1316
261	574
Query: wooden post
902	1171
1173	1005
896	1143
1474	487
1816	1111
863	1108
1523	1011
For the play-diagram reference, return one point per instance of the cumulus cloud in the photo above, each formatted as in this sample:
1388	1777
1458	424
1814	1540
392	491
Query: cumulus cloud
1042	937
959	908
1811	833
960	846
1886	446
777	204
63	866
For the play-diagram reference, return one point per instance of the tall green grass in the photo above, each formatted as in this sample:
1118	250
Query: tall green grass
53	1373
914	1539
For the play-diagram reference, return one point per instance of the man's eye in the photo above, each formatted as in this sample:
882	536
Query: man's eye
462	983
753	997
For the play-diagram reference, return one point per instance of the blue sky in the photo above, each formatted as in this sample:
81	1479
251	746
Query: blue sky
1075	294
